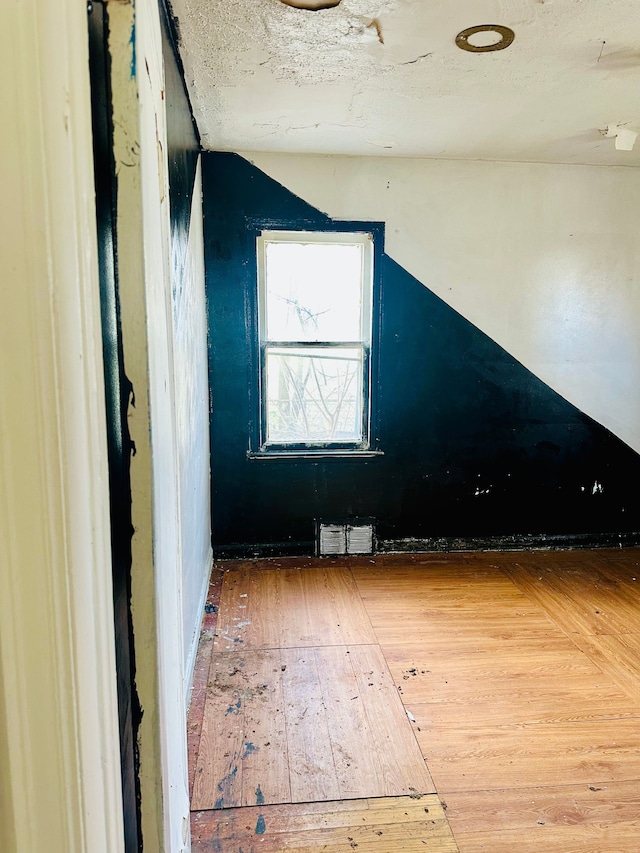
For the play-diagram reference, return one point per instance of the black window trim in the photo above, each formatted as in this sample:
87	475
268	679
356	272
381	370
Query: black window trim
369	447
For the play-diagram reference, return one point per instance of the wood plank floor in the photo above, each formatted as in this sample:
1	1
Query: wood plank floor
392	825
285	608
508	683
287	720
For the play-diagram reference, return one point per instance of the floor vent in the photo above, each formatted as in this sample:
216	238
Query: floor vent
352	537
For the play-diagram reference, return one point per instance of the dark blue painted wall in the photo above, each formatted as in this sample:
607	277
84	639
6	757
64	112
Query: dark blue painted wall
475	446
183	146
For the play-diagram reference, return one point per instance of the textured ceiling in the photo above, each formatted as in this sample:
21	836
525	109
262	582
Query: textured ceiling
385	77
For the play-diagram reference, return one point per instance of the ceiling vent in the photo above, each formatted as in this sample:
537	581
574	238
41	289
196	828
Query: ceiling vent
341	538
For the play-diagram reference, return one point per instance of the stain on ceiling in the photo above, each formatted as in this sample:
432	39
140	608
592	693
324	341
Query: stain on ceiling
372	77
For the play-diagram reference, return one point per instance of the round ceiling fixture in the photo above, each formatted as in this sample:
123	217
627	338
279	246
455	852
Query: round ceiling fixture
503	37
312	5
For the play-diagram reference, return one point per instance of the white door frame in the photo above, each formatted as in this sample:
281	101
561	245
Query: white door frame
60	787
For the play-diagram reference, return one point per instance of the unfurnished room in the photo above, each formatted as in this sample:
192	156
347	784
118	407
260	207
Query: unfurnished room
322	427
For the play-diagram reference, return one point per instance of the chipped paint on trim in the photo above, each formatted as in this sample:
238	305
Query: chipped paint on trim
132	42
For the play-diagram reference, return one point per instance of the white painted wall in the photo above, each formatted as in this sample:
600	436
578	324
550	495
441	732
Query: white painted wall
192	433
126	60
169	571
59	750
165	463
545	259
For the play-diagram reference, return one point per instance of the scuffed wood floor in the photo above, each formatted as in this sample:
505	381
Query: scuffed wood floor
520	672
300	705
391	825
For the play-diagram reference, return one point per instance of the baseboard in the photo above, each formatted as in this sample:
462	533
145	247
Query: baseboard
524	542
439	544
269	549
195	639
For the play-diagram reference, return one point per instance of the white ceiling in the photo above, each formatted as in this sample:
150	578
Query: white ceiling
372	77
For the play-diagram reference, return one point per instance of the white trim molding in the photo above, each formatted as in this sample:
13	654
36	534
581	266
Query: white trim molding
192	651
59	748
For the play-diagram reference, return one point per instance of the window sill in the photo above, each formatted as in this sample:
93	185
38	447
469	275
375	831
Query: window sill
324	453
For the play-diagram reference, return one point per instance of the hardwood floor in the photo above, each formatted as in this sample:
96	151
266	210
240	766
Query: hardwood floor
506	685
287	608
300	703
392	825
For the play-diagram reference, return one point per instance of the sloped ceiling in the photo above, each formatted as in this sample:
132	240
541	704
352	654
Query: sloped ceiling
385	77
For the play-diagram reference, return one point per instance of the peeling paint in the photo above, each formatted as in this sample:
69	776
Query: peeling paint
375	24
417	59
132	42
479	491
250	56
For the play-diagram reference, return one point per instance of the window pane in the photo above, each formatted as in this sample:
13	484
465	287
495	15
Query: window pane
314	394
313	292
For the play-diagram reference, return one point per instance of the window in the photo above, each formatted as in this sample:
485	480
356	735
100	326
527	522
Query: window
314	313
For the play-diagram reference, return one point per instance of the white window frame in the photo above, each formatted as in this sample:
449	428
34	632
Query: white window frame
365	240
